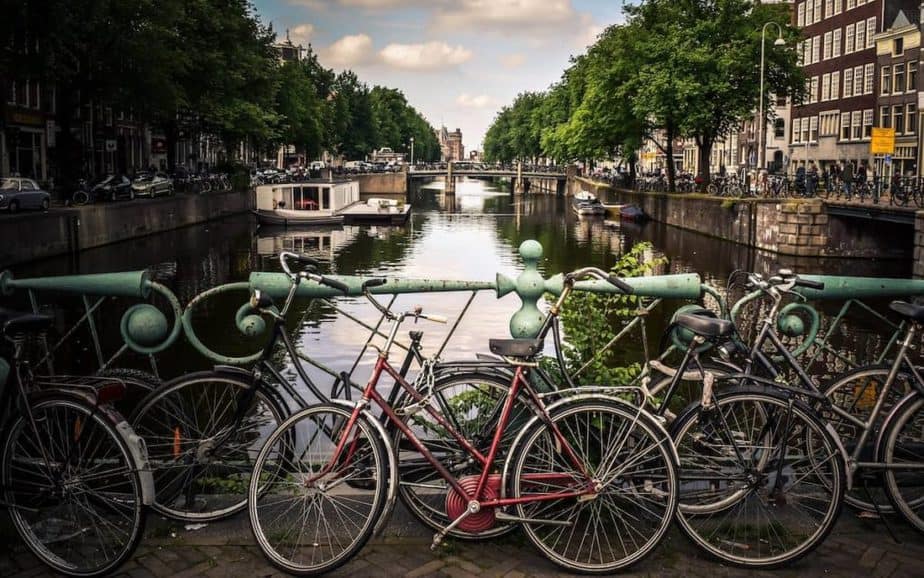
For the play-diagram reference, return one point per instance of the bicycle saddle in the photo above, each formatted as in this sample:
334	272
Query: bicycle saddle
515	347
909	310
23	322
706	326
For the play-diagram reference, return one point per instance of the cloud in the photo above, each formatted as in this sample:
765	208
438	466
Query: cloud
381	4
349	51
301	34
320	5
466	100
515	60
428	56
507	14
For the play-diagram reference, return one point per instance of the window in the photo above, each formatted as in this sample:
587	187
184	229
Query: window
885	87
869	78
851	4
838	4
813	129
898	118
828	41
898	77
898	46
857	124
836	49
848	42
911	118
817	11
816	49
835	85
796	135
35	100
814	89
871	32
848	83
800	15
858	81
868	123
885	119
805	130
912	76
826	87
779	128
845	126
828	123
829	8
809	12
22	93
861	37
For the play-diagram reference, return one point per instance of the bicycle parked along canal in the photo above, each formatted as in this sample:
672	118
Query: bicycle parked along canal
591	477
72	473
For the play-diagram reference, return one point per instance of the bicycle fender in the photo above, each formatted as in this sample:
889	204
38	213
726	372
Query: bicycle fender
234	371
139	452
392	493
843	450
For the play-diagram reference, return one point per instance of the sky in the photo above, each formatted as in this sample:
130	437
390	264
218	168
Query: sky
457	61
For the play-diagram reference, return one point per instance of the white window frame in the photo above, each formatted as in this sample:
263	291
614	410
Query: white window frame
818	14
869	78
800	15
836	49
825	87
856	124
835	85
870	32
849	36
858	80
816	49
848	82
868	123
845	124
827	47
838	6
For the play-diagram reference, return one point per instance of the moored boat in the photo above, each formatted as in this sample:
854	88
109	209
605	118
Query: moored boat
585	203
315	202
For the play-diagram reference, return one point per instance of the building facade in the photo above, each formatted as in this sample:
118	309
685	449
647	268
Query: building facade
455	146
898	51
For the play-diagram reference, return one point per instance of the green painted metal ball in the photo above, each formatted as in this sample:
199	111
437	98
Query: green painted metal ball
531	250
146	325
252	325
791	325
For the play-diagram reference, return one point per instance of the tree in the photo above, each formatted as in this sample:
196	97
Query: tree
705	77
300	109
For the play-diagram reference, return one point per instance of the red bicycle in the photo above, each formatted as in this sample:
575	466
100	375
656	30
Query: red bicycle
591	477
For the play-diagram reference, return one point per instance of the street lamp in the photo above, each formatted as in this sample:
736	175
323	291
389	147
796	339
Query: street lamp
761	142
412	150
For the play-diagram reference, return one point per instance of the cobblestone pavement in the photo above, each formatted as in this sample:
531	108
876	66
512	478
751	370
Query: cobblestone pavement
855	548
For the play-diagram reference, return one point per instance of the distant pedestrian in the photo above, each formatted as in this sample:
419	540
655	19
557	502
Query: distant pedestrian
847	177
812	180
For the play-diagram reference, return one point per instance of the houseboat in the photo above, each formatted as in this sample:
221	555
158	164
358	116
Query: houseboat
586	204
314	202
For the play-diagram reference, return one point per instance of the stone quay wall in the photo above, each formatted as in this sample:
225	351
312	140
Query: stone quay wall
30	236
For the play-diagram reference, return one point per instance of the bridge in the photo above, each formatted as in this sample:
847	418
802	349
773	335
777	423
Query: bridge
520	176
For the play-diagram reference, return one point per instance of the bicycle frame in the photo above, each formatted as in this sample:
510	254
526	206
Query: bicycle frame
370	395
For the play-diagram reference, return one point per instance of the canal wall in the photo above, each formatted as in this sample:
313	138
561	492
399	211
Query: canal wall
30	236
382	183
794	227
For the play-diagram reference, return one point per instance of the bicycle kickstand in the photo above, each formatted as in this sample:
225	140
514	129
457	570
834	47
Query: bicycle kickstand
879	513
473	508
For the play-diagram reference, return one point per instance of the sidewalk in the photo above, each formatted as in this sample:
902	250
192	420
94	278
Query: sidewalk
855	548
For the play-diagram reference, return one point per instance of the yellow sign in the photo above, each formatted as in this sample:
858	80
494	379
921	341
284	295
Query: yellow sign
883	142
649	156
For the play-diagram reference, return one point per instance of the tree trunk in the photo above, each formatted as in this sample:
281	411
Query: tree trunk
170	136
705	153
633	161
669	151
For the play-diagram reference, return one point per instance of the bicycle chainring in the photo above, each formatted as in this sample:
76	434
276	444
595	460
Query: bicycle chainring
456	504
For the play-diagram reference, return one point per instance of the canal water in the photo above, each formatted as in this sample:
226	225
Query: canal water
471	236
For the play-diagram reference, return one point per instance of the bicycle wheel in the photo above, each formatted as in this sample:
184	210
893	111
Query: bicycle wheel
72	487
630	460
313	515
762	481
472	406
855	394
202	442
712	189
903	445
81	198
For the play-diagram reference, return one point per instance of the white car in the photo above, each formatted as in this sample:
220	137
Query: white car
152	185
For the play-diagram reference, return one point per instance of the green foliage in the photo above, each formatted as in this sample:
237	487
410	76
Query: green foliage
591	320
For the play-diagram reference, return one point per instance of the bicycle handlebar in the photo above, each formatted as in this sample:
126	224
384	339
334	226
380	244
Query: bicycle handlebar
596	273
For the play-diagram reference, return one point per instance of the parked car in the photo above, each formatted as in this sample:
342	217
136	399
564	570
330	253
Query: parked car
152	185
105	188
17	193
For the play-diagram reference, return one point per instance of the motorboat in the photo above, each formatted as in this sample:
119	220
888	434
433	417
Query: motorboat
585	204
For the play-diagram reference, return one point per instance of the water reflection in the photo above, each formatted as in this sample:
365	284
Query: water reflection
471	235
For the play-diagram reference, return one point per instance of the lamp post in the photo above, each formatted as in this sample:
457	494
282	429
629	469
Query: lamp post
412	151
761	144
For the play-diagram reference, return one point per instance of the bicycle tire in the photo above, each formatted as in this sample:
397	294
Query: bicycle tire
633	465
421	488
764	540
322	423
901	443
851	393
53	531
181	449
81	198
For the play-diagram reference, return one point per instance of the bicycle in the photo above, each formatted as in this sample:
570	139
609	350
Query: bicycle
204	429
582	454
72	473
